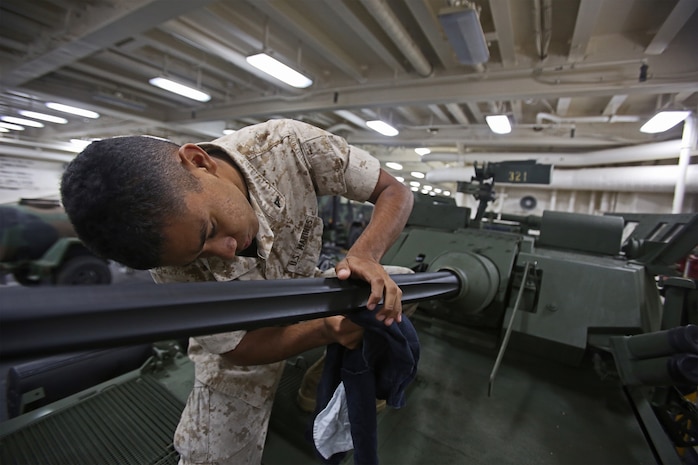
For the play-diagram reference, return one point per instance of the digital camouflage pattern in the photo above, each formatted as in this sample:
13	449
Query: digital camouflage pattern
287	165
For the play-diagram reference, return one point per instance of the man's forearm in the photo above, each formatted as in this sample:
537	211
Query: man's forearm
392	208
275	344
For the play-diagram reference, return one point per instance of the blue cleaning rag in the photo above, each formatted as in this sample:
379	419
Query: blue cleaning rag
352	380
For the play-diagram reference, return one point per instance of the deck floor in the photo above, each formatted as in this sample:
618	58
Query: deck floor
540	412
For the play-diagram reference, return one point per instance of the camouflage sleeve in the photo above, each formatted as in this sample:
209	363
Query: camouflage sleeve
337	167
221	343
361	174
194	272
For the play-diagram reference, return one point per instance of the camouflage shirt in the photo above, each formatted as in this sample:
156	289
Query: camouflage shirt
286	165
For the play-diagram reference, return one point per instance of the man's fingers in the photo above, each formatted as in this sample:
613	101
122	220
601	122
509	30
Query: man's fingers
343	271
392	306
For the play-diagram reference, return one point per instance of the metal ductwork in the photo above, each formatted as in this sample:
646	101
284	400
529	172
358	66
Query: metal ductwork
541	117
660	178
380	10
629	154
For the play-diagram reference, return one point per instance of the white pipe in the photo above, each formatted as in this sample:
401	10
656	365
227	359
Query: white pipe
553	199
537	28
540	117
547	27
659	178
572	201
687	141
340	127
592	203
603	203
627	154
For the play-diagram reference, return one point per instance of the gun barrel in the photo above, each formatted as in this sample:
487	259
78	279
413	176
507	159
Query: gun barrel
50	320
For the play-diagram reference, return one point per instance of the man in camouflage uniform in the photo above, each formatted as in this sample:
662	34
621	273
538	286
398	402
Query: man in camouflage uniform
250	213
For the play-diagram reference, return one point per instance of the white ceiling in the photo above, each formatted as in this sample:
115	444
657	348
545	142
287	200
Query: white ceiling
564	70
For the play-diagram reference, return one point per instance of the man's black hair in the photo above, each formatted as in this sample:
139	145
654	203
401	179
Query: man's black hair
119	194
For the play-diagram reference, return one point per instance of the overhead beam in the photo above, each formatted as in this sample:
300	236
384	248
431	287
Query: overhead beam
432	30
587	18
614	104
309	33
563	105
356	25
457	113
503	24
435	91
98	28
678	17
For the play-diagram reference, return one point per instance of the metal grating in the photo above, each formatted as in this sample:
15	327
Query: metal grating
128	423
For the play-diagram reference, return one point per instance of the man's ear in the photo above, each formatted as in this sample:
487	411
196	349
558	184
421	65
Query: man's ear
194	157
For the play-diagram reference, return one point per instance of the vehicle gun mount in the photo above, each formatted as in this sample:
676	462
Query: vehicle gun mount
481	186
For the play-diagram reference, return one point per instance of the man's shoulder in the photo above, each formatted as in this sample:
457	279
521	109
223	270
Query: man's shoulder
253	140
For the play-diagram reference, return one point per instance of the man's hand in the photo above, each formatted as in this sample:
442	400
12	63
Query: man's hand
344	331
382	286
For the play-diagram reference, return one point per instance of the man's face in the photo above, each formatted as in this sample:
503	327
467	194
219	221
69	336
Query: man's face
218	222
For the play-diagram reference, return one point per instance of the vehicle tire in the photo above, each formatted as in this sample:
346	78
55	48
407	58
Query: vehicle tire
83	269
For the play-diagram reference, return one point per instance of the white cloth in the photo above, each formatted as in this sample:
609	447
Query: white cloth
331	428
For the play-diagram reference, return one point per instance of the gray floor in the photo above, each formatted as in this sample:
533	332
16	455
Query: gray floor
540	412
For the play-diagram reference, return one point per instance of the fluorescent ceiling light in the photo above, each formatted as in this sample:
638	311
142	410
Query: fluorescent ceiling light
414	188
447	193
464	33
278	70
14	127
415	183
393	165
417	174
400	178
421	151
180	89
4	130
228	131
22	121
72	110
382	127
499	124
663	121
43	117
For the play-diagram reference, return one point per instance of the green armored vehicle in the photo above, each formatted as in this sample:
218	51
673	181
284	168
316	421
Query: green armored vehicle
38	246
583	321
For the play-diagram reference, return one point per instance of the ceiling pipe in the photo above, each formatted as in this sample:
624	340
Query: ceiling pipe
688	141
660	178
547	28
380	10
540	117
340	127
629	154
